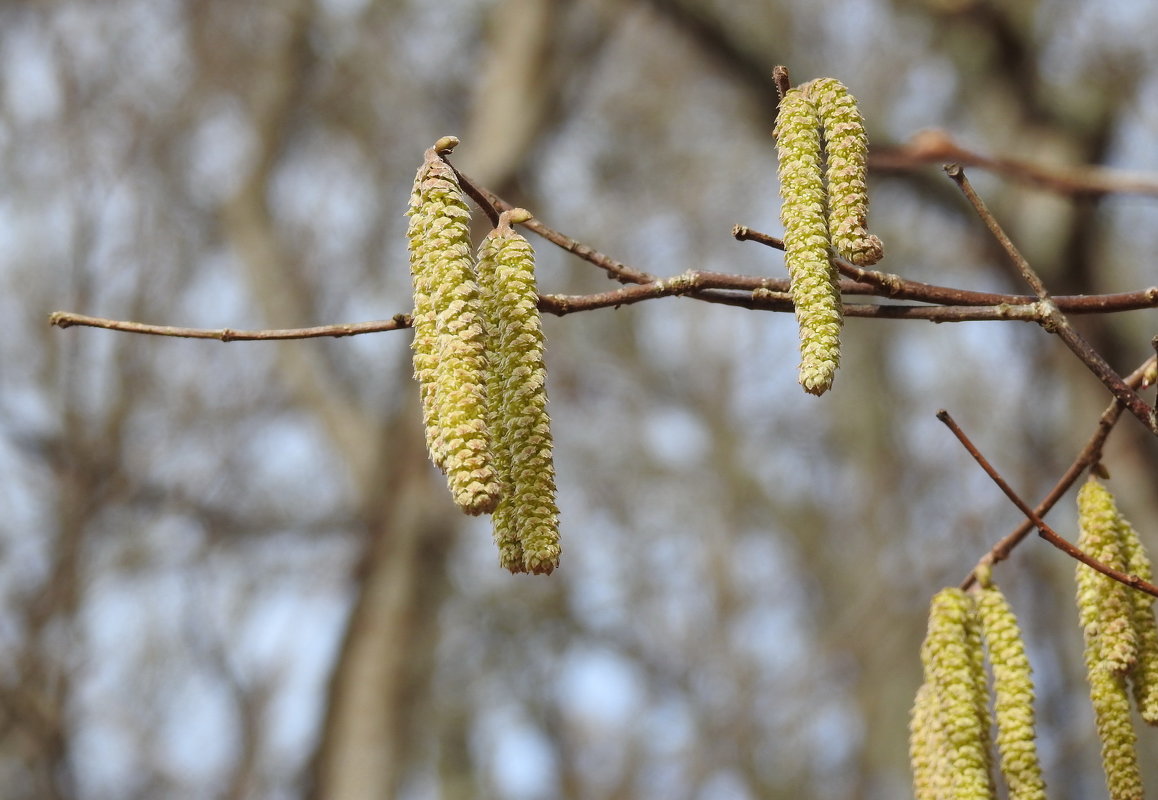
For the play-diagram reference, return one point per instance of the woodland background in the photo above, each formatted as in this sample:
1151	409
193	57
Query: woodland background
226	570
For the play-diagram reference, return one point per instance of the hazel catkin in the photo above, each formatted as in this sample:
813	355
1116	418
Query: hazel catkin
526	520
449	346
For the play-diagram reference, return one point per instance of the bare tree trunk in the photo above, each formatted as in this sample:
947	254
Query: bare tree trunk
379	686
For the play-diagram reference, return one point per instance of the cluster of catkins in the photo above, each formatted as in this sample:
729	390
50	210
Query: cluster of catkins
950	748
823	150
478	358
1120	635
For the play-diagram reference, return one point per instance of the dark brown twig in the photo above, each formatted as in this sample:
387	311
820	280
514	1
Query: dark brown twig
1089	456
889	285
1054	320
1044	530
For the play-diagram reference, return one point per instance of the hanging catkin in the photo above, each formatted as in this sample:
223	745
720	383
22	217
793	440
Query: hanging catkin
1013	696
450	359
823	209
950	722
1105	612
526	521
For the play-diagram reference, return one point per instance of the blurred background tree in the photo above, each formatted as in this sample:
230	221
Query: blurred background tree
229	571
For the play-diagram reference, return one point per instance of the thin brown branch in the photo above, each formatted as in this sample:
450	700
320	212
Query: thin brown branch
1055	321
1089	456
1044	530
937	147
67	319
884	284
617	270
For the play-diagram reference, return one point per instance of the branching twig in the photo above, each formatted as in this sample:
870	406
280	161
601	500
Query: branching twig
1089	456
1055	321
1044	530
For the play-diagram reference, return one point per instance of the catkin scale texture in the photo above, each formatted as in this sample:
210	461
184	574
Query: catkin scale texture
958	720
1106	615
449	346
1014	696
526	521
813	279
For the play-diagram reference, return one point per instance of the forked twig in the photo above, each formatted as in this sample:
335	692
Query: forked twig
1055	321
1044	530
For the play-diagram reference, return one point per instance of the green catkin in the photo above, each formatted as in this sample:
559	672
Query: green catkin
450	359
846	152
526	521
813	279
1105	608
1144	677
927	750
950	658
1014	695
1100	611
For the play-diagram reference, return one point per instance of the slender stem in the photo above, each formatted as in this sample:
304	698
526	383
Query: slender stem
1044	530
67	319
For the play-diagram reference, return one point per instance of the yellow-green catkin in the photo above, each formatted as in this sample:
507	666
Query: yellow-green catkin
526	521
450	357
927	749
1013	696
1144	677
846	154
1108	654
813	278
1105	608
959	724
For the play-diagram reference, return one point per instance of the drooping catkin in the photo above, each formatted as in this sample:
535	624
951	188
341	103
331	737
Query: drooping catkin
927	750
846	153
953	719
1101	609
1105	609
1144	677
1014	695
526	521
450	358
813	279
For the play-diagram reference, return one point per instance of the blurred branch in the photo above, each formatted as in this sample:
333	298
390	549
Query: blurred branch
1044	530
938	147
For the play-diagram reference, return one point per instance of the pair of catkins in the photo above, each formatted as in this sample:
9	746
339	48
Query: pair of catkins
823	150
478	357
950	726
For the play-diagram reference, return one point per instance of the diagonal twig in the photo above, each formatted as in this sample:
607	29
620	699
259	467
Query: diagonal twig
1044	530
1055	321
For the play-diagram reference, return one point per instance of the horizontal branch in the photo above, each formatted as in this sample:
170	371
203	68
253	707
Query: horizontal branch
67	319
